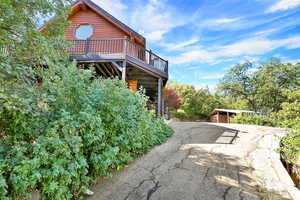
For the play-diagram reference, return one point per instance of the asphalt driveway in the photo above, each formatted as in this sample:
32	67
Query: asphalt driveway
202	161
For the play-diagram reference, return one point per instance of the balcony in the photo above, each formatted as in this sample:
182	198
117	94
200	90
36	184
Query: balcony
118	49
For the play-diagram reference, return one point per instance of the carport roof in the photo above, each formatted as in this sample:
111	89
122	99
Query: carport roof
231	111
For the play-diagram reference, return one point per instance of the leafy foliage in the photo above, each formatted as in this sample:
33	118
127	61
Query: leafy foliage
239	82
195	104
264	87
255	119
172	99
19	29
290	148
60	126
69	130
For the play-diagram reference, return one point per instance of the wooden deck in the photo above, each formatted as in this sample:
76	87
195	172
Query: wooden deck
118	50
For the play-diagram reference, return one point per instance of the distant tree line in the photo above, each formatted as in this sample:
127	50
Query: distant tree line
266	88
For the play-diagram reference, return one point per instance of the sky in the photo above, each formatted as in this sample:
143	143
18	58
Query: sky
202	39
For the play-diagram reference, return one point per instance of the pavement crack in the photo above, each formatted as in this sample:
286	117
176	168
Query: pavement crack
226	192
136	188
206	174
153	190
240	195
179	165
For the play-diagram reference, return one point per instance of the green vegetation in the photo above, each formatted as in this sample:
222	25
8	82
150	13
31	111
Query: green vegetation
261	120
192	104
61	126
272	89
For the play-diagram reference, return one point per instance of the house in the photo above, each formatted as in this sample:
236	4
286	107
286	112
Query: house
223	115
101	40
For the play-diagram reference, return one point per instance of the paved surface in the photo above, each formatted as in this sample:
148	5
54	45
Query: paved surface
201	161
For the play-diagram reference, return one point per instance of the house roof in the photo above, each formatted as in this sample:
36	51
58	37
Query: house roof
231	111
100	11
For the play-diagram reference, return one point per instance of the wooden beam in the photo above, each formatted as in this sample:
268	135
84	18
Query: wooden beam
116	70
159	83
106	70
110	68
101	70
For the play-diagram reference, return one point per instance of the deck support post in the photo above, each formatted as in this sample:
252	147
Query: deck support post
159	84
228	118
124	71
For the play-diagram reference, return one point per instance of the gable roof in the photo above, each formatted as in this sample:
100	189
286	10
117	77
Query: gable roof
100	11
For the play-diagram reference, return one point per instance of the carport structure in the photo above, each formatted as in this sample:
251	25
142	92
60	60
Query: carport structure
223	115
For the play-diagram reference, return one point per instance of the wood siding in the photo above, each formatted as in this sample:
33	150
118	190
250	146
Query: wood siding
102	27
222	118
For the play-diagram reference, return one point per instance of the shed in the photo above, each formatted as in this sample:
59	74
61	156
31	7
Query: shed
223	115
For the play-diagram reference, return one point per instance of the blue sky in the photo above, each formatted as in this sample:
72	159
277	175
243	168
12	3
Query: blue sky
202	39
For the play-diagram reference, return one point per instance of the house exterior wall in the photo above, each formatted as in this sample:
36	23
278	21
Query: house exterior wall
102	27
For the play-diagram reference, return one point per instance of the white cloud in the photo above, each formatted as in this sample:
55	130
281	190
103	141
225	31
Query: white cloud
293	61
181	45
253	46
212	76
210	86
284	5
151	18
154	18
267	32
225	20
114	7
246	48
221	24
202	56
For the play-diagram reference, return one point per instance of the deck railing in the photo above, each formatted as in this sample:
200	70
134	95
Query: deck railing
118	47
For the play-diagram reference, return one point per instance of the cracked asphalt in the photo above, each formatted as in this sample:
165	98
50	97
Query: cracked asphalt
201	161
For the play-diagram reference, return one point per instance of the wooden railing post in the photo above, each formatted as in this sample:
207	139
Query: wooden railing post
87	46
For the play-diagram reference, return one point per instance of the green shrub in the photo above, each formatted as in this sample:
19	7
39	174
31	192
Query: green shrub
290	147
261	120
57	137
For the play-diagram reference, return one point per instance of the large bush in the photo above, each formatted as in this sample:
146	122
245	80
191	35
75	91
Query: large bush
59	134
255	119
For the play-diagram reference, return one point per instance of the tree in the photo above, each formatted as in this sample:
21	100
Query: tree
23	49
274	80
195	104
19	25
240	83
265	87
173	100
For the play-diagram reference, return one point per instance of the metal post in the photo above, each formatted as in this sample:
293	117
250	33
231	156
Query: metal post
159	97
124	71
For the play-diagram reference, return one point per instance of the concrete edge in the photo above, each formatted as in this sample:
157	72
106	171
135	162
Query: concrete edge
276	164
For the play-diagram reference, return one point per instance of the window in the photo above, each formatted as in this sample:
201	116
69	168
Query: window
83	32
